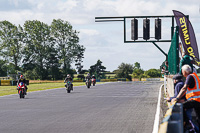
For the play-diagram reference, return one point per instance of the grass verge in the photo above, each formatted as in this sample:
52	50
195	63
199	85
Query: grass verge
8	90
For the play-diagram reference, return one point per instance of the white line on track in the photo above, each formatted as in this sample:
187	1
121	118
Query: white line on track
156	121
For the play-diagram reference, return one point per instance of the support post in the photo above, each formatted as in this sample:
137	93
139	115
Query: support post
177	48
124	29
160	49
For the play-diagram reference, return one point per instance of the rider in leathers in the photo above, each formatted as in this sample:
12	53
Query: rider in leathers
69	78
22	79
93	77
88	77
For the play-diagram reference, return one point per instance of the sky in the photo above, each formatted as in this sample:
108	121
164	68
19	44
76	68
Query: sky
105	41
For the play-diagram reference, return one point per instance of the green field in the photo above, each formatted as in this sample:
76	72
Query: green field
7	90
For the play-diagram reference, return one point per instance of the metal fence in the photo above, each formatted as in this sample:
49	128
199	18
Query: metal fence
173	54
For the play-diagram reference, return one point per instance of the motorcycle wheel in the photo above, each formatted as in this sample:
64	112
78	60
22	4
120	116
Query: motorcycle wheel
88	86
68	90
21	95
93	83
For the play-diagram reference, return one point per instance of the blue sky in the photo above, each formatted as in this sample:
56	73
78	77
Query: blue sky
104	41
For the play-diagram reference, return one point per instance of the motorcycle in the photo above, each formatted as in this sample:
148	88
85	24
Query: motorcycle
93	81
21	90
88	83
68	86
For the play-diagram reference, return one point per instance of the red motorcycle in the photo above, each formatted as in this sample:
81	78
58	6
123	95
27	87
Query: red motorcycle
93	81
21	90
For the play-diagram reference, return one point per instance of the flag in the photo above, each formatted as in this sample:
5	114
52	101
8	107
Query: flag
187	36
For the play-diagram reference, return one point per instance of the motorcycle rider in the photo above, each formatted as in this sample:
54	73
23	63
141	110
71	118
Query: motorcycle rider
88	77
93	77
22	79
69	78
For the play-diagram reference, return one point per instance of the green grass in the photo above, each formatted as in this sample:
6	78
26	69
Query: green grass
7	90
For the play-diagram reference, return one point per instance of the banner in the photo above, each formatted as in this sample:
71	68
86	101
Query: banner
187	36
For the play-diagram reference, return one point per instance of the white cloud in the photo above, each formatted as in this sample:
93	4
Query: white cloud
104	41
135	8
89	32
66	6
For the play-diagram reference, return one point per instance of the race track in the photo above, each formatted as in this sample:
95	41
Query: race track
122	107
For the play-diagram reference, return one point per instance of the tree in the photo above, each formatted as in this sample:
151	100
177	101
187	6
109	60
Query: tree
37	39
46	52
136	65
97	69
32	74
153	73
11	43
66	40
11	68
137	71
124	70
3	68
52	64
84	71
81	76
78	58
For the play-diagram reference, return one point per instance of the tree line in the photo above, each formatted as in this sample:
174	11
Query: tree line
130	71
39	50
124	70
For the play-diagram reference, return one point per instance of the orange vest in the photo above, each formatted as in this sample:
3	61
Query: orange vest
194	93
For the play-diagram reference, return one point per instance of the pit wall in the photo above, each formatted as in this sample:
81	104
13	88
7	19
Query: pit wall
172	122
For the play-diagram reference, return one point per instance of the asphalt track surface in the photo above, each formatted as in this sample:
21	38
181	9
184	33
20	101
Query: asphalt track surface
123	107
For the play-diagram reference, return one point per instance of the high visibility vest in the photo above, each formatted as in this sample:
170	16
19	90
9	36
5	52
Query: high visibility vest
194	93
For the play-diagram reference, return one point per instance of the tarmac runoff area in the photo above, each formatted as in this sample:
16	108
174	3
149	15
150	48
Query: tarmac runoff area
122	107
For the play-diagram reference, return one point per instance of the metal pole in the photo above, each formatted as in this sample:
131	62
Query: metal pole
177	49
124	29
160	49
172	28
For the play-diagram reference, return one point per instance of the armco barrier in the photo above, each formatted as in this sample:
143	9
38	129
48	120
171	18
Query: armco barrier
10	82
151	79
108	80
173	120
97	80
135	79
5	83
122	79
